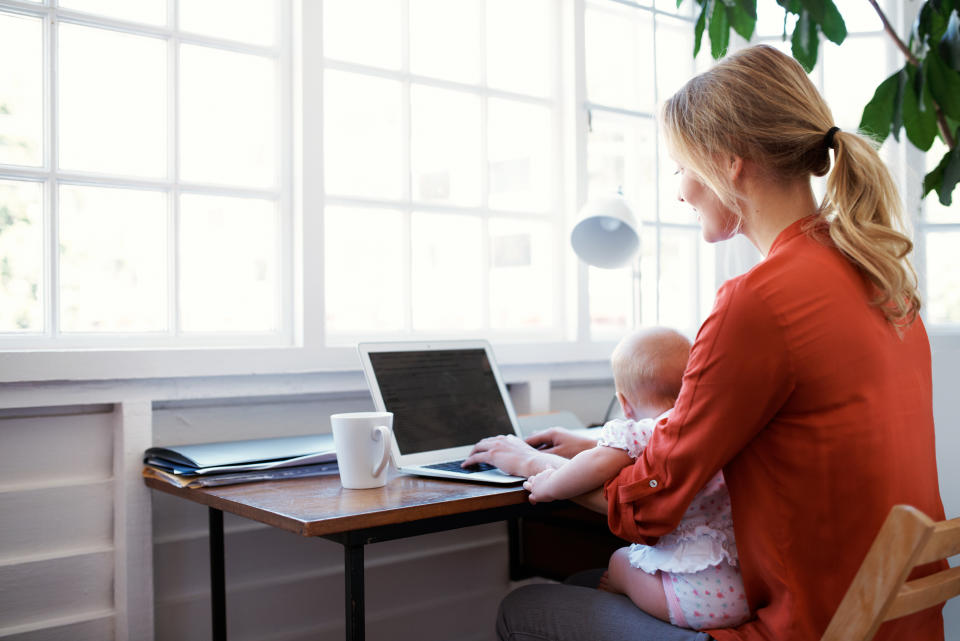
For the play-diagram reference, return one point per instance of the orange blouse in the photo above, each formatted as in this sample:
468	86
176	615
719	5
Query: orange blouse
821	418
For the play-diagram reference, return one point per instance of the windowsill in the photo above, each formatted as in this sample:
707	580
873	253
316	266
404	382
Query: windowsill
166	363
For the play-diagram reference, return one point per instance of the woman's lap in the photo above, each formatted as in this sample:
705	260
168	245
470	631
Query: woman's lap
572	612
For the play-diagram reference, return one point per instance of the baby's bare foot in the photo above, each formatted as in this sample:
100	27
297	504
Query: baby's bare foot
605	582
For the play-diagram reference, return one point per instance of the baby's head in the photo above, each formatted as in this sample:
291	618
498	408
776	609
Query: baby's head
648	368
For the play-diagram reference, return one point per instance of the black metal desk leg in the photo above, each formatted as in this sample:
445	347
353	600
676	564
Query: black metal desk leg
218	596
353	576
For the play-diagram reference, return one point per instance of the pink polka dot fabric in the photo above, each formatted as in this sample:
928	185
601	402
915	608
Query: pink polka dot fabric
711	598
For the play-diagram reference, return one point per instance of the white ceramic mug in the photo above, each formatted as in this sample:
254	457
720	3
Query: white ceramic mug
362	441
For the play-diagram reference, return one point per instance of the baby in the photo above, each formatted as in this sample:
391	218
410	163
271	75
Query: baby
690	577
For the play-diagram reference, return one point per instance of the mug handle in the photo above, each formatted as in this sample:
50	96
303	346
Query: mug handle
381	433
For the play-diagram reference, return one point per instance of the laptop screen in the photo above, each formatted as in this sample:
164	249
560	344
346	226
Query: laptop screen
440	398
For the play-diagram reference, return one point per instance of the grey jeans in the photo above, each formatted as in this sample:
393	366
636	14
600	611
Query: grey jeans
577	611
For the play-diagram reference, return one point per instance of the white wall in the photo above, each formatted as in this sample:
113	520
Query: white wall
88	553
946	413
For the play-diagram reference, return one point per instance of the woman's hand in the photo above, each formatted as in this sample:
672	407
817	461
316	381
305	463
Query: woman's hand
560	441
512	456
539	486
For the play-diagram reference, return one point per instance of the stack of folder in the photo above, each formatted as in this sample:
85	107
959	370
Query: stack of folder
228	462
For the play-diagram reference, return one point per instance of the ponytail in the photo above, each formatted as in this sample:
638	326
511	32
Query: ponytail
759	104
864	214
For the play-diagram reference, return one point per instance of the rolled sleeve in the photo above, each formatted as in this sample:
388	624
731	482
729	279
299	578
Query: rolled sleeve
738	377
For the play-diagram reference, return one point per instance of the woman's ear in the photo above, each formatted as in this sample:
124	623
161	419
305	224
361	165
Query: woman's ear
734	167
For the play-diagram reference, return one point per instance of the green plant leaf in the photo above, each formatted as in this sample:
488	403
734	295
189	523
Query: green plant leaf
805	41
741	20
951	175
878	115
944	84
950	42
698	29
919	114
933	180
719	30
825	13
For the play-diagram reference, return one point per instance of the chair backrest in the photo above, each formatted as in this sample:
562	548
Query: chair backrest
880	591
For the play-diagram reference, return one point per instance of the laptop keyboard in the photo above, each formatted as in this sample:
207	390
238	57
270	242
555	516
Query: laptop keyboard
454	466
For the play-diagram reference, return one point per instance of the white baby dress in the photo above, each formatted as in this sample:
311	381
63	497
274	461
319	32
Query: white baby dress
704	536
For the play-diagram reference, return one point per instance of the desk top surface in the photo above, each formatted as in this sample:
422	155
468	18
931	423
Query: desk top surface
319	506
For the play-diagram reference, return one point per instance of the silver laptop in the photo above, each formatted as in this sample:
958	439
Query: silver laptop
445	396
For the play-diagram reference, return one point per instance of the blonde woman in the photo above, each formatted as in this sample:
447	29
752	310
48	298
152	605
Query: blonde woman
809	385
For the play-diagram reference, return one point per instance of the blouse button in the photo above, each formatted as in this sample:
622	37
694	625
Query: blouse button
654	483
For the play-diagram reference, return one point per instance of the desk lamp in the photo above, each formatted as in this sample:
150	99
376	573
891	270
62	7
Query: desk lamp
606	235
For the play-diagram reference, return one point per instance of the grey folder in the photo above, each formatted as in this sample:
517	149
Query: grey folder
236	456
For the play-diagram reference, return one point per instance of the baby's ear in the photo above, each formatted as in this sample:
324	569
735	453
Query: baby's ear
626	407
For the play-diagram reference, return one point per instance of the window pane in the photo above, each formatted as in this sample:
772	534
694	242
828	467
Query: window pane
367	245
229	266
519	45
848	93
770	17
113	102
670	6
21	256
148	11
611	302
228	118
446	146
520	155
447	278
943	277
21	91
350	34
675	61
521	274
620	156
113	260
253	21
444	39
861	16
649	276
619	48
362	136
679	285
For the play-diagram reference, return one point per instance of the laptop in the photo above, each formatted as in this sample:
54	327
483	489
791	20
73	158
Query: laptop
445	396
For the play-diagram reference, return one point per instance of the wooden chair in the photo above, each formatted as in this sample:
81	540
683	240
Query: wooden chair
880	590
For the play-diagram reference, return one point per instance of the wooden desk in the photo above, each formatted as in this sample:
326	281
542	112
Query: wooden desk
319	506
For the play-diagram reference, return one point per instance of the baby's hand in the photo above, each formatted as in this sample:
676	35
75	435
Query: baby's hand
538	485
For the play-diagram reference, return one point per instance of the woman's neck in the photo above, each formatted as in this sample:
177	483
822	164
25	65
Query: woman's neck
770	206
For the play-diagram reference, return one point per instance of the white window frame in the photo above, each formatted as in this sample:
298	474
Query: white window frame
306	349
51	177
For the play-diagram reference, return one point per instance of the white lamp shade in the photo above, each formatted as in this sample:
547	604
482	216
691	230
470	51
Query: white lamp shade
606	233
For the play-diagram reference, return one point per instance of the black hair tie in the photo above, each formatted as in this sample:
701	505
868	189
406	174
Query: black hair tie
828	139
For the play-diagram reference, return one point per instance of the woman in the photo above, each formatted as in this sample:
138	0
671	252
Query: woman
809	384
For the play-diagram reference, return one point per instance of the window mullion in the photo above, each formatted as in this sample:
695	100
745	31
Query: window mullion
407	168
52	209
173	174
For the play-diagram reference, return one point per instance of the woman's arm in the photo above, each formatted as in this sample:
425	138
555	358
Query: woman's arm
586	471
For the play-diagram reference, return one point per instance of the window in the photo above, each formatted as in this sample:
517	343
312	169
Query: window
144	191
636	57
441	165
304	175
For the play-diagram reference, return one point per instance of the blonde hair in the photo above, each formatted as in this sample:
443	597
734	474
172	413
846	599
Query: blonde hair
760	105
649	364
